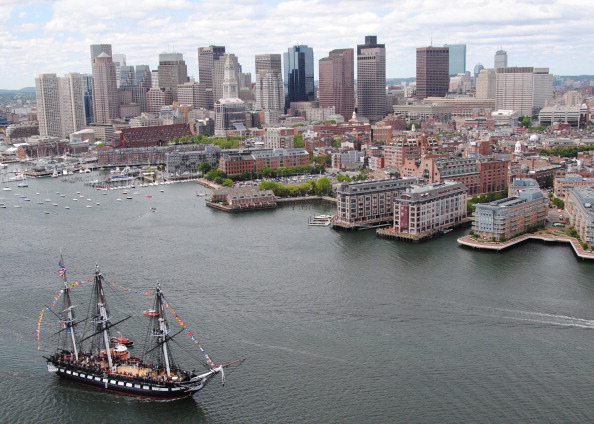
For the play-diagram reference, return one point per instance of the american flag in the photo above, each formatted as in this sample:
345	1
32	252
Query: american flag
62	272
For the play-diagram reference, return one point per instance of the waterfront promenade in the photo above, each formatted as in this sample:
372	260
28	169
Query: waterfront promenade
544	236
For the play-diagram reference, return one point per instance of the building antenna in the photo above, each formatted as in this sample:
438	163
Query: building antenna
431	45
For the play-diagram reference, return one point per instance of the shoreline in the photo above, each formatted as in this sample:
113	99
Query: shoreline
468	241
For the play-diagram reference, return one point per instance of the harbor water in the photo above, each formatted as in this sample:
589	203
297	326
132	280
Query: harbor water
337	327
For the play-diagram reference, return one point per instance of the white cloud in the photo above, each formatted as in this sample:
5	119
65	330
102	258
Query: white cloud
552	33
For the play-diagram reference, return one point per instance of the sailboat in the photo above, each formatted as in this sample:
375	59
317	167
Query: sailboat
95	360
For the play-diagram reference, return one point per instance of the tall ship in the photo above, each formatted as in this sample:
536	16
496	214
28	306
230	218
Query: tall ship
89	351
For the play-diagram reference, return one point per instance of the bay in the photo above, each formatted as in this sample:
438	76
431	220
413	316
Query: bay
336	326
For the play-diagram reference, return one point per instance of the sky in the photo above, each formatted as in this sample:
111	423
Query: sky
53	36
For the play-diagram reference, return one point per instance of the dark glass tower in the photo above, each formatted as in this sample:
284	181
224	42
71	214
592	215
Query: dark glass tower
299	75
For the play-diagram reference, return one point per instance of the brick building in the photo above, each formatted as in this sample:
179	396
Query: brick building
152	136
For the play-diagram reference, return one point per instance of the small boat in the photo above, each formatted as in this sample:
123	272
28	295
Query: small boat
90	355
122	340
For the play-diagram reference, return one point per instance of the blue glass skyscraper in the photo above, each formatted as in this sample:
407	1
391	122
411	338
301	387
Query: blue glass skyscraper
299	75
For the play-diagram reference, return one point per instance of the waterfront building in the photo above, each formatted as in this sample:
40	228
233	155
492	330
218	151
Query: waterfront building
298	75
562	186
366	204
509	217
457	59
105	94
181	162
432	72
424	210
580	208
337	82
500	60
207	58
523	89
371	79
243	198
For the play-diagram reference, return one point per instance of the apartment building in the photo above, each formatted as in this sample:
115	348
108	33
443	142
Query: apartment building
430	208
367	204
509	217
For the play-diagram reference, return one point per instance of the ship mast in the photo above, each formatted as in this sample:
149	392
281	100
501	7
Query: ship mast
163	330
102	319
68	320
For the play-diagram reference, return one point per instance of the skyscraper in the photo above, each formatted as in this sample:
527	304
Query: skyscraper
105	92
119	61
268	62
172	71
88	95
457	63
371	79
207	56
48	93
337	82
73	103
60	104
97	49
500	59
230	83
219	73
298	75
485	84
523	89
433	65
269	86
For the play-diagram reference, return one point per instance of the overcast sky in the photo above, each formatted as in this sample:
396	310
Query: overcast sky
54	36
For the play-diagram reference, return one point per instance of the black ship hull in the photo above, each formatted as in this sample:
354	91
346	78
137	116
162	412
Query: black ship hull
129	386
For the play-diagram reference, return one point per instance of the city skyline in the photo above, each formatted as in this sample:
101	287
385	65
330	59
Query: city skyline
39	37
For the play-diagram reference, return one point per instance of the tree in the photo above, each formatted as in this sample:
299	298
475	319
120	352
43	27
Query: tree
227	182
298	141
323	186
204	167
525	121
